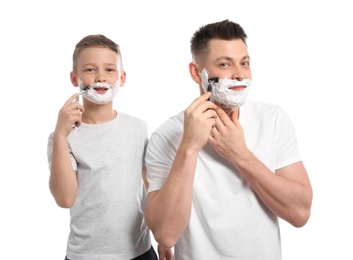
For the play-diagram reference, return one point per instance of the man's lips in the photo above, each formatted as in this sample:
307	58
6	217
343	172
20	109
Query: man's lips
238	88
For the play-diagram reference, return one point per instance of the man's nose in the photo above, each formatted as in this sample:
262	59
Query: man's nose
238	73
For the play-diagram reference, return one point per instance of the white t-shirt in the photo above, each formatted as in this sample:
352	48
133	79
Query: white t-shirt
228	220
107	217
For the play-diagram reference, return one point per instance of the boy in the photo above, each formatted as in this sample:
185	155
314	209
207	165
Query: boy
96	157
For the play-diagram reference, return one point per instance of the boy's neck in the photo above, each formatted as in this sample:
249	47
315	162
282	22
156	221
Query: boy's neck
99	114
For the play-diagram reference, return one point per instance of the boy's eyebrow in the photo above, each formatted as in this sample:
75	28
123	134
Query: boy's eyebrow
112	64
88	64
105	64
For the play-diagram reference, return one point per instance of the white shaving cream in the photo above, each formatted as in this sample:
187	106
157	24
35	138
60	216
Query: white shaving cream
221	92
95	97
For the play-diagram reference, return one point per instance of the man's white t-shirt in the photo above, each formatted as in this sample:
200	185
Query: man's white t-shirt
228	220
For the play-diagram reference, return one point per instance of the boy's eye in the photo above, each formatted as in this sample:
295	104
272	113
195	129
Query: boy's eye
111	69
89	69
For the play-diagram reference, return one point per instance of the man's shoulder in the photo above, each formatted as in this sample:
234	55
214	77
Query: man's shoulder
263	111
260	106
173	123
175	119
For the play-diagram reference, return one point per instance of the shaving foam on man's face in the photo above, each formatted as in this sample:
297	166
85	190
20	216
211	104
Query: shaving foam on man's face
222	92
100	93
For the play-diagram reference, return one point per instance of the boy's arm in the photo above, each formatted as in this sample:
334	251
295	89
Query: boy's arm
144	177
63	181
165	253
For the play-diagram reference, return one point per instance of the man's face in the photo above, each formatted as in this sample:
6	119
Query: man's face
228	59
229	62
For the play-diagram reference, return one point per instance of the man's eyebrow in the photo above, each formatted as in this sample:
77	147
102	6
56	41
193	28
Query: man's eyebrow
246	57
224	58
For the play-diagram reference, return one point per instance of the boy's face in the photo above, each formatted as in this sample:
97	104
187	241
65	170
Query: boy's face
99	71
97	64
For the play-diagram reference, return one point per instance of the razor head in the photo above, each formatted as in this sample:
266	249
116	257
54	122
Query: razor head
213	80
210	82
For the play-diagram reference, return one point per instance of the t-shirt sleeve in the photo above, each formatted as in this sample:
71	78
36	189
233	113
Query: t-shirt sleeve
287	151
50	153
159	159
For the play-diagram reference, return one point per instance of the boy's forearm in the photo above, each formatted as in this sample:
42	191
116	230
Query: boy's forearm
62	181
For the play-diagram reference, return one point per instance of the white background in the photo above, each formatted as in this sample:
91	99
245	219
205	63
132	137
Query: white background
301	54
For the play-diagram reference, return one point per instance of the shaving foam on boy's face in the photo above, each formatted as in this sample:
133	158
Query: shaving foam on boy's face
222	92
100	93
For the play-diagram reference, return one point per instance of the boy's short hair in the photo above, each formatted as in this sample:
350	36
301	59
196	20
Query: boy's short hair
95	40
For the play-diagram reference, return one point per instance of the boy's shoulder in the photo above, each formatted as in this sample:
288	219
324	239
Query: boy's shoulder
131	118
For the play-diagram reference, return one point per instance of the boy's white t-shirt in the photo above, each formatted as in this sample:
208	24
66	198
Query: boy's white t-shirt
107	217
228	220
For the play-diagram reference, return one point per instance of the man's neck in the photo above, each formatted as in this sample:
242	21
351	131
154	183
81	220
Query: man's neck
230	110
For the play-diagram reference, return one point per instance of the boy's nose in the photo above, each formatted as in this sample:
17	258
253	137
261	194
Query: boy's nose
100	78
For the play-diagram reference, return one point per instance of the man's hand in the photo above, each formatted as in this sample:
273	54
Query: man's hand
227	136
199	119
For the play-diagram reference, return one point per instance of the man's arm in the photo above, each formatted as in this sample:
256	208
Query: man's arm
287	193
168	210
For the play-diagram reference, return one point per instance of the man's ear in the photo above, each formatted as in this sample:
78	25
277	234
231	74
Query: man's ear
74	79
194	72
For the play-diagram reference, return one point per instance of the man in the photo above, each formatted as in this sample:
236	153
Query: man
221	172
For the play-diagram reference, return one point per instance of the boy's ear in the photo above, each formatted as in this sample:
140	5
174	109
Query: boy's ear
74	79
122	78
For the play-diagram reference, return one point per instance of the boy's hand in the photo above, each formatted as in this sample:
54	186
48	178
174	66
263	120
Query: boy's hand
164	253
69	115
